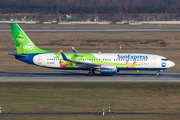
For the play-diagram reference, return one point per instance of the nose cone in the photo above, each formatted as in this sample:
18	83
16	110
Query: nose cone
171	64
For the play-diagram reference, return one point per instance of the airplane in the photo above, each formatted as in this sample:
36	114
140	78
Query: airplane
105	63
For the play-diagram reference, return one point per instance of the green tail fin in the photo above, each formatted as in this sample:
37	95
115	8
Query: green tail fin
23	44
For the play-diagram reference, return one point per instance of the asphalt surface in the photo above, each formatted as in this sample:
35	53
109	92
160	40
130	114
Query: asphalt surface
94	114
83	77
93	29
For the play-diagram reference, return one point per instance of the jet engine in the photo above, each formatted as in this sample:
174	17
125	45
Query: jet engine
108	69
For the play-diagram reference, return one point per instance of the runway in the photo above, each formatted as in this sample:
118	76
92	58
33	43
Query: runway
83	77
94	114
93	29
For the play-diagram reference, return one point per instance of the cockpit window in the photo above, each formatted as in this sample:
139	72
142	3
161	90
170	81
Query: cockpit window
164	59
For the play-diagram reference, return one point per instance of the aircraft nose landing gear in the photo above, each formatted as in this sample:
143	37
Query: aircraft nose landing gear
157	74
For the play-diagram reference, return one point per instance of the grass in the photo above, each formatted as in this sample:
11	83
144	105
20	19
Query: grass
99	40
161	43
92	118
89	97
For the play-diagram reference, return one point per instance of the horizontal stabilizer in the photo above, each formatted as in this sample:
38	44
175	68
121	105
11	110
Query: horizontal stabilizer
18	55
14	52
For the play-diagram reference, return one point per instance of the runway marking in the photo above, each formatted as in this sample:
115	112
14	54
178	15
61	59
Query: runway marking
94	29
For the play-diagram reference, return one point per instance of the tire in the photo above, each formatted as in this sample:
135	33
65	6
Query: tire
90	73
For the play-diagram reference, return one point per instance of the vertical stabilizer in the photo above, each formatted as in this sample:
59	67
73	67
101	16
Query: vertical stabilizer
23	44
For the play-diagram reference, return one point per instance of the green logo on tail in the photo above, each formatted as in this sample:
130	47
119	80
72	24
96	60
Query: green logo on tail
19	46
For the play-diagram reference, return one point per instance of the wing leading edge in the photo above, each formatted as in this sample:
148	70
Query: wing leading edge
80	64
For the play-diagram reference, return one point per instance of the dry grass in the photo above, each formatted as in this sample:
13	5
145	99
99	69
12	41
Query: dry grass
99	40
162	43
92	118
89	97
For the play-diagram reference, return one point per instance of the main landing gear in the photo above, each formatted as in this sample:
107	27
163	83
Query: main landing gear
91	72
157	74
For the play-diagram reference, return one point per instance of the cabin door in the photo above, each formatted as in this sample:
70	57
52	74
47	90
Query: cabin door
39	60
154	60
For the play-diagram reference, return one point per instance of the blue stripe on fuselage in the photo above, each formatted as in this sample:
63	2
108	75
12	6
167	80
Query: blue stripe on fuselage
141	68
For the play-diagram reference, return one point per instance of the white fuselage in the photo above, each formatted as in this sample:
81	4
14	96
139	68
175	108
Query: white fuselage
149	61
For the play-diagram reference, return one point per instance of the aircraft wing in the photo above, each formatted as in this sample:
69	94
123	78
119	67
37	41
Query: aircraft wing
86	64
80	64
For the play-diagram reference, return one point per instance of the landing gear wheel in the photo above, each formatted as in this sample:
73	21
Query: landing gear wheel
90	73
157	74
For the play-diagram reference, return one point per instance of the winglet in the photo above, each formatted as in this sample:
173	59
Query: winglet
74	50
60	51
63	55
